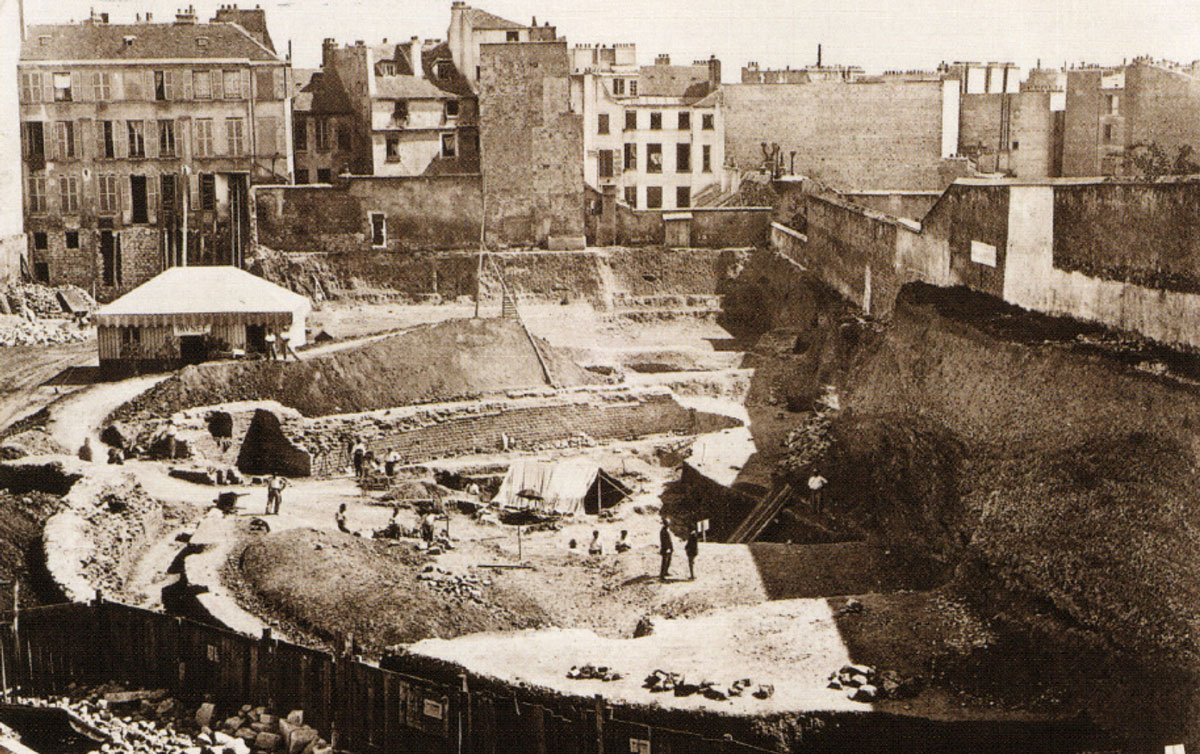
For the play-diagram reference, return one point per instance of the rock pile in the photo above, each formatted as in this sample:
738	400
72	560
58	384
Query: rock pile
662	680
593	673
150	722
24	332
43	300
465	588
120	517
864	683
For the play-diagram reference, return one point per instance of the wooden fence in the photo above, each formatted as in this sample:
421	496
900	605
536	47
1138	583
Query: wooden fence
358	706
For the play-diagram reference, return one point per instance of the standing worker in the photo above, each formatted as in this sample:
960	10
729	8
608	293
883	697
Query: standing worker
390	462
691	549
172	447
285	347
275	487
269	340
340	519
816	483
357	454
666	547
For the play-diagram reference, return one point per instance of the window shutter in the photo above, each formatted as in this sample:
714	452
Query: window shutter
151	138
120	139
77	86
152	198
266	136
245	83
123	197
99	138
81	138
280	84
194	192
47	87
183	81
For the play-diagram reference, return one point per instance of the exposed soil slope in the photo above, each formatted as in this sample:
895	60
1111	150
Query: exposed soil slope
22	517
445	361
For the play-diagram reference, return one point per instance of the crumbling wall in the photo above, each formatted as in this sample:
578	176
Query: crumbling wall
553	420
267	450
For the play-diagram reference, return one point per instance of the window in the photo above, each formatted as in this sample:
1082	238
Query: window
654	197
208	192
1016	145
655	121
706	121
631	156
101	86
387	69
137	138
62	87
400	111
71	239
683	158
324	175
204	137
443	69
685	121
110	258
68	191
631	120
41	272
233	87
202	84
107	185
631	196
300	135
452	108
301	176
392	149
448	145
345	138
322	126
139	201
166	183
164	85
378	229
654	158
1114	104
66	140
683	197
235	134
39	241
619	87
133	85
602	123
706	158
106	136
632	87
512	36
31	87
36	193
1108	132
606	163
34	145
166	138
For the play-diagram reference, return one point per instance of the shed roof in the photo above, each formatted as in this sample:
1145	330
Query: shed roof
193	294
560	486
481	19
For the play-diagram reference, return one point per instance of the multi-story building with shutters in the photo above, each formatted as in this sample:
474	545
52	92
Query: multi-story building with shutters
140	142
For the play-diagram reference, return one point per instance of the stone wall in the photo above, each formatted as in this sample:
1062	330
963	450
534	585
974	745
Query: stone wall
852	136
531	422
421	212
531	143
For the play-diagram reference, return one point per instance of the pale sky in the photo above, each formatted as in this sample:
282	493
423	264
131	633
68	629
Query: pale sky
876	34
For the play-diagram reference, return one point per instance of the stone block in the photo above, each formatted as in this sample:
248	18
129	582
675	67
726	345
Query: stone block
204	715
267	741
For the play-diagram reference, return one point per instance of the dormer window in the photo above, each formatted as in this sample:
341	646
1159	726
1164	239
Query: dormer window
444	69
129	40
387	69
202	41
44	40
452	108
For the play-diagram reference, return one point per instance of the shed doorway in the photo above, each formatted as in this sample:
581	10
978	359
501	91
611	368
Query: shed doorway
191	349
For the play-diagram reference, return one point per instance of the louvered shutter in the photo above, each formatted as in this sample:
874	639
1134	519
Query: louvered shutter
245	83
123	197
77	86
185	83
152	138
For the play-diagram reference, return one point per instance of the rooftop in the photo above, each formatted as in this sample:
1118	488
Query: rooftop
201	290
183	41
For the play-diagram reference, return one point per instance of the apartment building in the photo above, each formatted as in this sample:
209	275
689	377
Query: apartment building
140	142
655	133
12	238
470	28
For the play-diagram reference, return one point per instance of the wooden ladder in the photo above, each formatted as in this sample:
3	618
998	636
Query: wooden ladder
762	515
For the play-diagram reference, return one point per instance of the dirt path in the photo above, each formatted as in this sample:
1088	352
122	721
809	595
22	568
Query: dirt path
82	414
25	369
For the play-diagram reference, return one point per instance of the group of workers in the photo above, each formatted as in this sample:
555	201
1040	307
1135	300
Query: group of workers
279	346
666	548
365	462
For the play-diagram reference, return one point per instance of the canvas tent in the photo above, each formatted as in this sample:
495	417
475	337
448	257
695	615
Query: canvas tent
568	486
174	317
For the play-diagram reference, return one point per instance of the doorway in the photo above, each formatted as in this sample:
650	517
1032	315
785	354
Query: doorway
192	349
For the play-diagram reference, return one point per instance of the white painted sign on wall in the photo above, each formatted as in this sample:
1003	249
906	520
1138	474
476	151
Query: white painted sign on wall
983	253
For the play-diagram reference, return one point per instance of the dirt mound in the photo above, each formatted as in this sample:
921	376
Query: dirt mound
21	545
453	360
325	584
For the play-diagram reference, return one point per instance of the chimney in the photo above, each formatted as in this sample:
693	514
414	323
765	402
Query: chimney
103	18
662	59
818	56
187	16
414	57
149	16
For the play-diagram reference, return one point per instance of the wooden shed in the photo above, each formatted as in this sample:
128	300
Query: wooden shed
187	315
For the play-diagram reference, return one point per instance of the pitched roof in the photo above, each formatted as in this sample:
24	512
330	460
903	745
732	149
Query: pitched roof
683	81
481	19
407	87
98	41
184	291
317	92
253	20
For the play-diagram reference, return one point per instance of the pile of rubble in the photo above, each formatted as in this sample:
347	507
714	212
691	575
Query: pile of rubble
593	673
662	680
864	683
465	588
120	518
16	331
44	300
145	722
